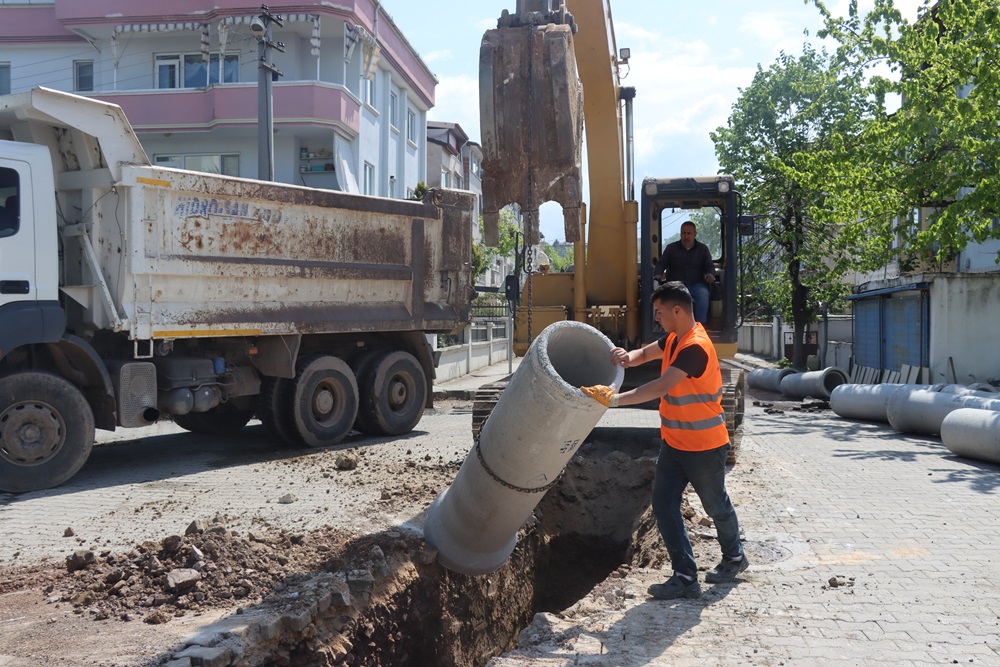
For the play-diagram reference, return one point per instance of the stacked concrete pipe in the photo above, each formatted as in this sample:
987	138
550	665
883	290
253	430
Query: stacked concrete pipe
962	390
768	378
867	401
817	384
541	419
972	433
923	411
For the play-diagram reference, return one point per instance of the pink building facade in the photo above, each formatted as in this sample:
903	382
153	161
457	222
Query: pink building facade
349	108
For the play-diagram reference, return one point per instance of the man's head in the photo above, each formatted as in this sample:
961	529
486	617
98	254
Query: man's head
688	234
672	307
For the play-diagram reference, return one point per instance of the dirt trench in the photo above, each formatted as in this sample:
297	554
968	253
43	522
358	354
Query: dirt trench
595	522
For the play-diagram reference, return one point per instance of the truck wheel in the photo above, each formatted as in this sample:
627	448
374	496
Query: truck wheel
46	431
324	400
272	411
224	419
363	367
393	394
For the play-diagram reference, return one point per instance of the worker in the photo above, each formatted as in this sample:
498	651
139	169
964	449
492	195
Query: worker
689	261
695	439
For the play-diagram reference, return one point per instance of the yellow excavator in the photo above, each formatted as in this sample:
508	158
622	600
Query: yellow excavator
548	71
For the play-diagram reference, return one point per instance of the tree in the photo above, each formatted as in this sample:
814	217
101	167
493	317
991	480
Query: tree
939	153
790	110
483	255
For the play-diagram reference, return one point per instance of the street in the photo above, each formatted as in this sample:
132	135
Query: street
867	547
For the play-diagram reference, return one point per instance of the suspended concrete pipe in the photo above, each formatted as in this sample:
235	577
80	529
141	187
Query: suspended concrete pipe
973	433
541	419
922	411
866	401
768	378
817	384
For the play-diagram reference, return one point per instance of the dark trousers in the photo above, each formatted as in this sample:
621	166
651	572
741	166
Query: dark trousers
706	472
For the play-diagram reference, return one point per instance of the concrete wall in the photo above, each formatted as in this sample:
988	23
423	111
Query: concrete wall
459	360
757	339
965	324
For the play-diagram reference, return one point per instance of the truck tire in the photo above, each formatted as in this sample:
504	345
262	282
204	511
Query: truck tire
272	411
323	400
393	394
46	431
363	366
224	419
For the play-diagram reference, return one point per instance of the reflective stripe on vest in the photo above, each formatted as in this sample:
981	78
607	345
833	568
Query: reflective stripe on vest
691	414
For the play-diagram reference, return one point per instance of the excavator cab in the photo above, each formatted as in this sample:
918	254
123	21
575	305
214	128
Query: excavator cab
714	205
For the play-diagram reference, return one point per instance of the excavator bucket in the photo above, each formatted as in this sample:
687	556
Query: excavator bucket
531	115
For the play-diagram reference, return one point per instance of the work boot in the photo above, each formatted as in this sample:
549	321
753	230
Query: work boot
726	570
676	587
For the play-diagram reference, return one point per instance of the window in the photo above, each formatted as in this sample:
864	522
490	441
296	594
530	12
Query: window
393	110
83	75
369	92
369	178
4	78
188	70
392	187
10	210
445	178
411	126
227	164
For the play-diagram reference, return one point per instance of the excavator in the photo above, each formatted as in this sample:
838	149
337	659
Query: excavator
549	71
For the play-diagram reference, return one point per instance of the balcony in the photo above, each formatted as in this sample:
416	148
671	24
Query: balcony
234	106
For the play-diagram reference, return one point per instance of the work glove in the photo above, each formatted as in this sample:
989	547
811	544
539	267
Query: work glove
603	394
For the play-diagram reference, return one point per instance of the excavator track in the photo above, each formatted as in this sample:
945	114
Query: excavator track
733	393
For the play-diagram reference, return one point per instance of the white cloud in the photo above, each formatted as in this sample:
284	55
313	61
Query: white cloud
433	56
457	101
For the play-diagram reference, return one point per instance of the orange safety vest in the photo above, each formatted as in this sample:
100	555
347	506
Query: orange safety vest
691	414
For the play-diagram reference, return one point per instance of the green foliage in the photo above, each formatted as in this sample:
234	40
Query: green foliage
791	110
420	191
939	152
484	255
558	262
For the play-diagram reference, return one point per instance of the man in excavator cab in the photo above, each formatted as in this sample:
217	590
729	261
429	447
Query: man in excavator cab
689	261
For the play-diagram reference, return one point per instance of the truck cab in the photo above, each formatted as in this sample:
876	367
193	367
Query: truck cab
29	289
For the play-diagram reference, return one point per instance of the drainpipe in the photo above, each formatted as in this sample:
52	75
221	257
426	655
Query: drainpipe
539	422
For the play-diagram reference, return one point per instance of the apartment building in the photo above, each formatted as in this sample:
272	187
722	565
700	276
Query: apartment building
349	106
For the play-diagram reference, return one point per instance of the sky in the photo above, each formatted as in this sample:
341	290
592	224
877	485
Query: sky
689	61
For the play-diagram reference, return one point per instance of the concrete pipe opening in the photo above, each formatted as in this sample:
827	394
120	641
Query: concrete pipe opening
817	384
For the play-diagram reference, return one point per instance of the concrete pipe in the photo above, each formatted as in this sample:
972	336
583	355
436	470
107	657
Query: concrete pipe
973	433
984	387
817	384
923	411
962	390
866	401
541	419
768	378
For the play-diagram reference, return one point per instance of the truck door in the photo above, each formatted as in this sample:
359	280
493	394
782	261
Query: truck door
17	238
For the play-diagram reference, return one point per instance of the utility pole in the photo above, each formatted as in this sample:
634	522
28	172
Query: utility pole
261	29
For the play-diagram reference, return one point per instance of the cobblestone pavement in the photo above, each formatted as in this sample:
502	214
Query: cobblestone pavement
868	548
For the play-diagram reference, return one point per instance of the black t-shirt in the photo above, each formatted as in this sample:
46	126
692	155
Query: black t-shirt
693	359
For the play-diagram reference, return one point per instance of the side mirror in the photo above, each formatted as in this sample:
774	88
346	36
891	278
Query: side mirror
746	225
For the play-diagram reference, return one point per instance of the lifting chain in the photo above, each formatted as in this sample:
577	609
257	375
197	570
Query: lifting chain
529	267
489	471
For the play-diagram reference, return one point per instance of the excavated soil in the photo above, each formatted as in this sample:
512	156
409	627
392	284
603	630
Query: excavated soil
380	599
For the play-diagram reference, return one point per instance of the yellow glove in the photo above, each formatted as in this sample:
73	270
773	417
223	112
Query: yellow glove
603	394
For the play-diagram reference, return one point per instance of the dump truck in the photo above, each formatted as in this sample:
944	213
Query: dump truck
548	72
131	293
